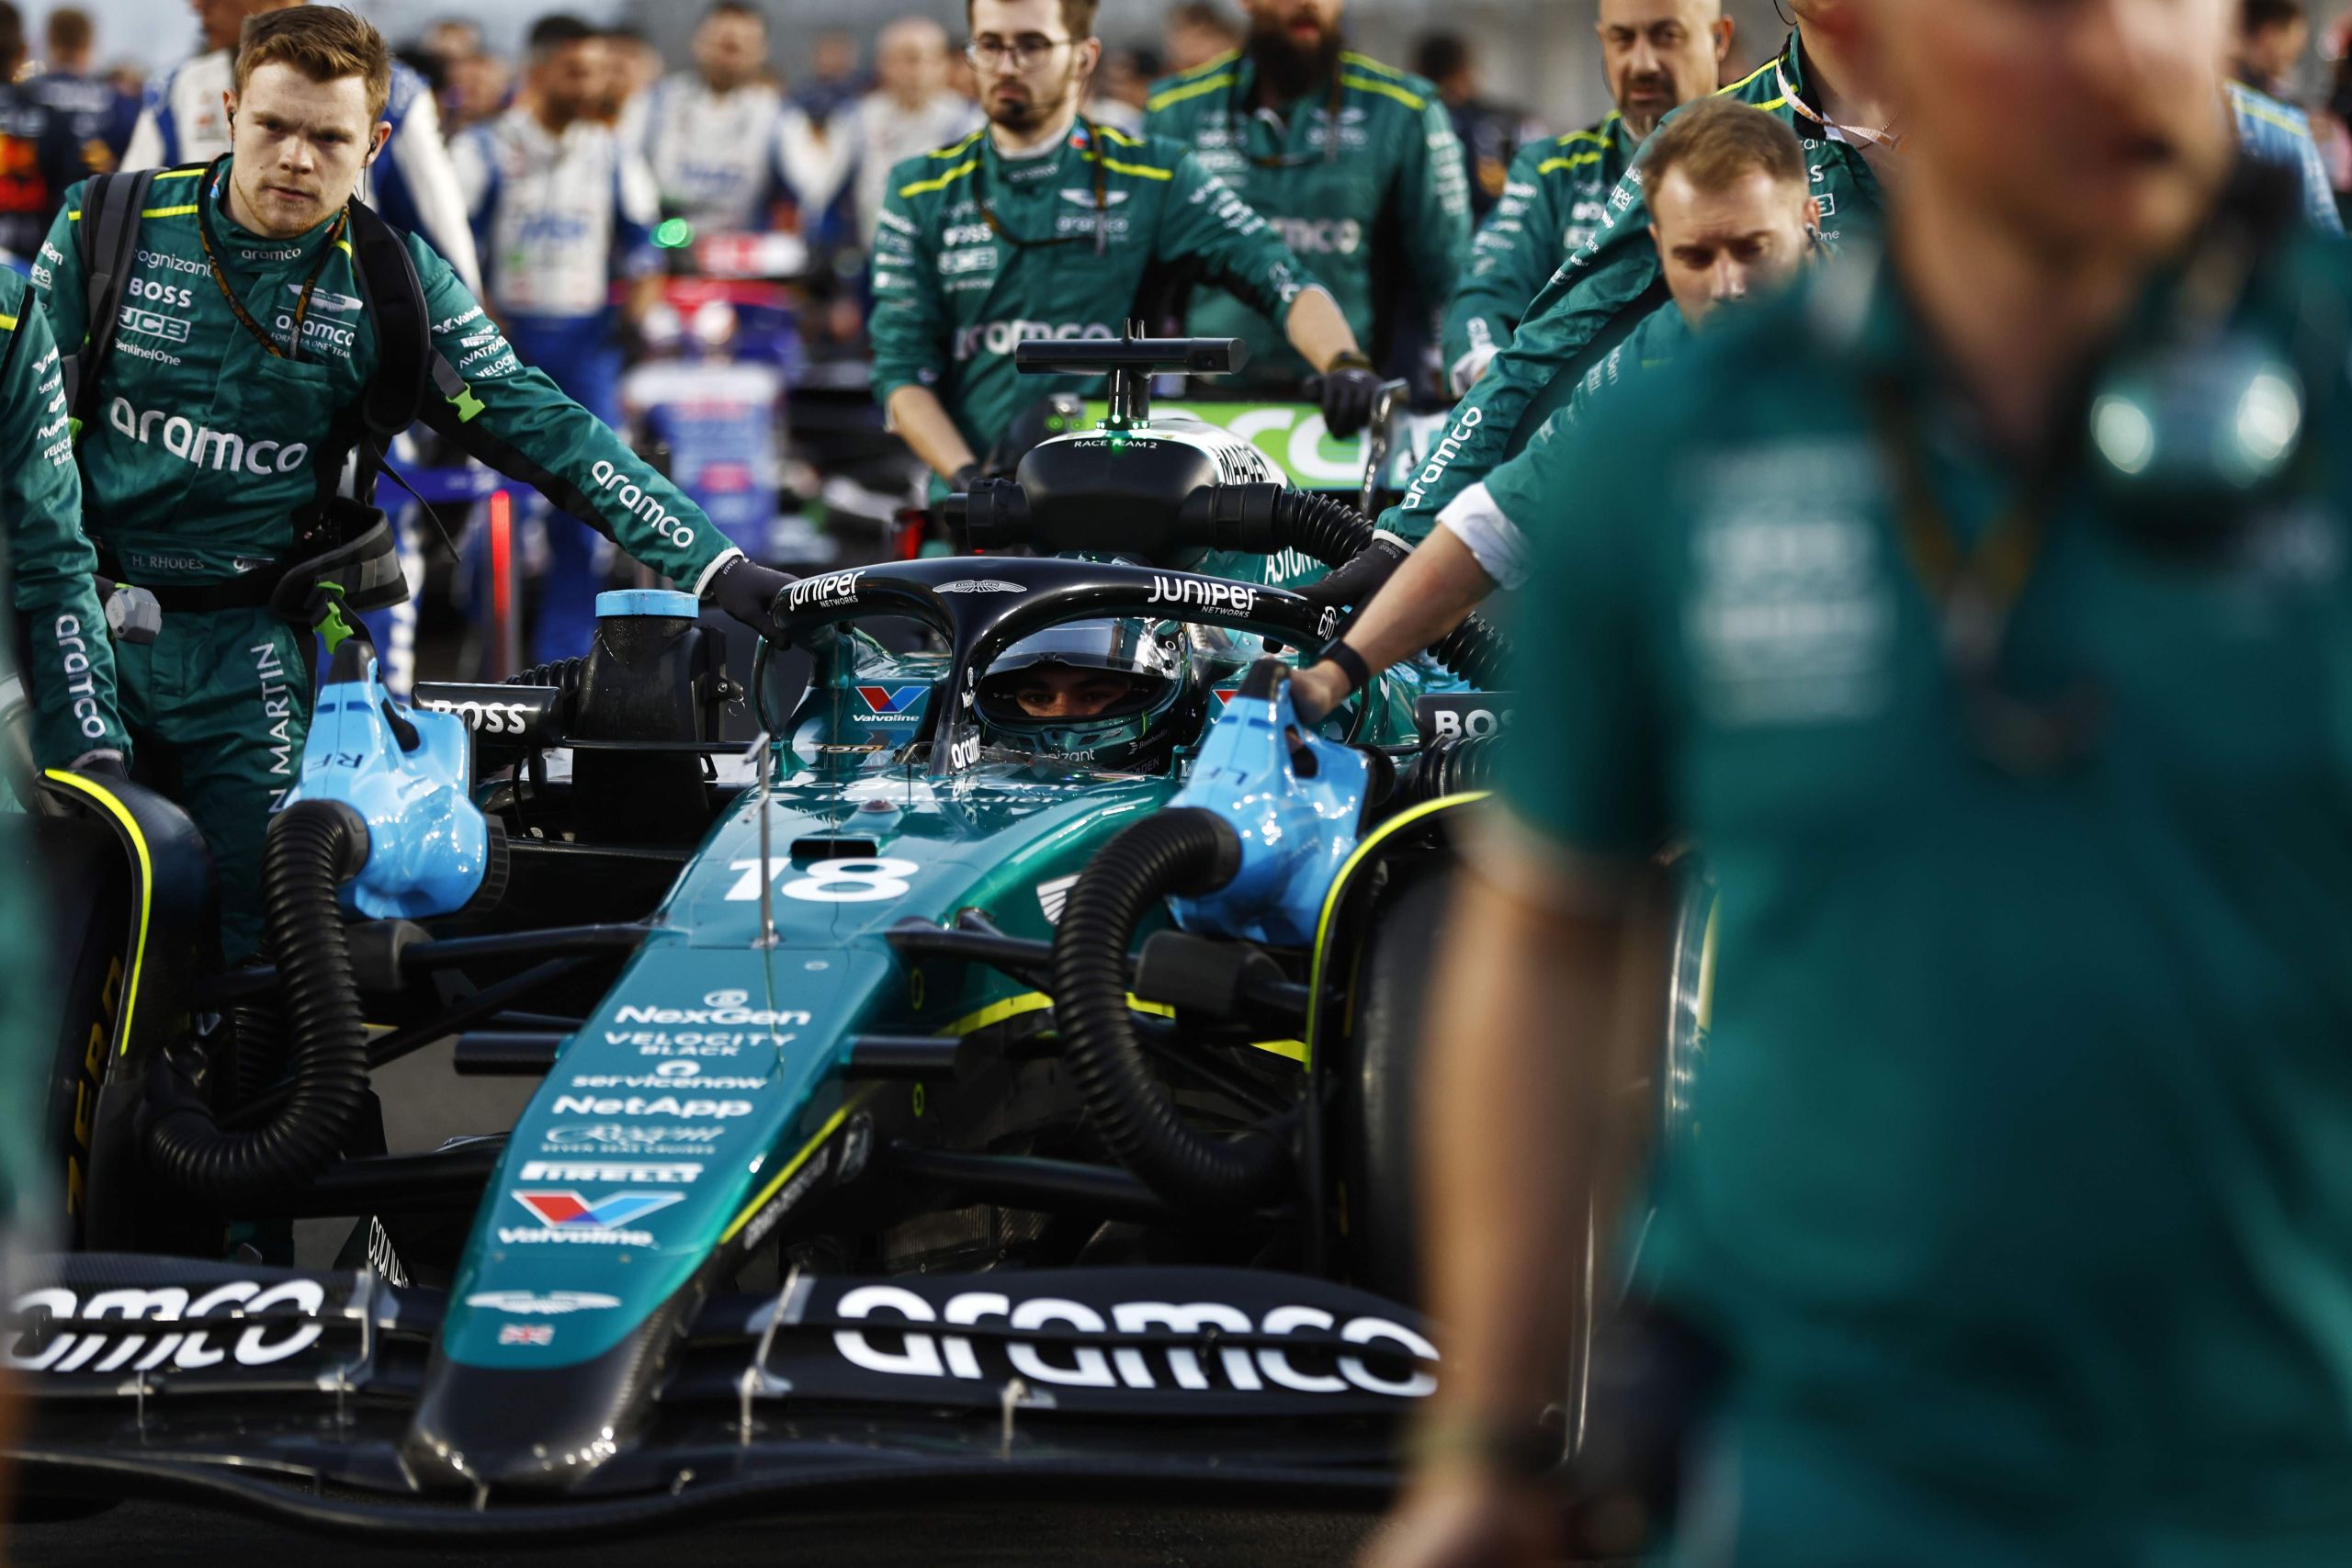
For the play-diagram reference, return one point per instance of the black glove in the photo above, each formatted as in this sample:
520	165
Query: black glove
964	478
1349	389
1353	582
748	590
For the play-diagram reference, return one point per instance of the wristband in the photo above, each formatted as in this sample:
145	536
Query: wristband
1351	665
1351	359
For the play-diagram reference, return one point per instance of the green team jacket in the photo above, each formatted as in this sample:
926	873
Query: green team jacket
50	562
199	444
1554	201
1601	291
1391	184
953	295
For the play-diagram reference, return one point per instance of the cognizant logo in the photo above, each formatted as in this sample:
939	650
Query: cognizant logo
202	446
999	337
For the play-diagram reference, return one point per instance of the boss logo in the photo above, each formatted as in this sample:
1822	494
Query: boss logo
484	718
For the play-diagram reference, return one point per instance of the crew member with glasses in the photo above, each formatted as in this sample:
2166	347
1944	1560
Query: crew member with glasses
1043	224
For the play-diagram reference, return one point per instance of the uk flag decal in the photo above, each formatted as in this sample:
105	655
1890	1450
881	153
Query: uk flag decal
568	1209
890	701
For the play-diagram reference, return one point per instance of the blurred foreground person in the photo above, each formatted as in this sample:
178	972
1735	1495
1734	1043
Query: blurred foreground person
1981	613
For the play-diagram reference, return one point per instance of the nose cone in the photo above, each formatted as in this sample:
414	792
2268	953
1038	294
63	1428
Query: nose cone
536	1429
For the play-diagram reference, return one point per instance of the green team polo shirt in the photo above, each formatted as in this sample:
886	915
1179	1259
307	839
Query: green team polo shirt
2020	1171
1354	193
1554	201
976	253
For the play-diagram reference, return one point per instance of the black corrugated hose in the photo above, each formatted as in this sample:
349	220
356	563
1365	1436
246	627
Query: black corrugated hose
314	847
1453	766
1333	532
1185	851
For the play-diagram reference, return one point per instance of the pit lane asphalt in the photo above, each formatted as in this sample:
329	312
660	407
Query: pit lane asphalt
424	1102
1083	1535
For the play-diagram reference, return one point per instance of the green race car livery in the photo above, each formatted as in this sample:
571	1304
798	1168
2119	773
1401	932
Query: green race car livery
1554	201
1602	291
1372	171
977	252
49	561
200	443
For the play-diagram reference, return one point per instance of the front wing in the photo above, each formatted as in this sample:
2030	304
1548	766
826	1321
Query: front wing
290	1393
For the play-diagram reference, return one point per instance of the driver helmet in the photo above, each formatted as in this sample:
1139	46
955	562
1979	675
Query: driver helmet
1114	692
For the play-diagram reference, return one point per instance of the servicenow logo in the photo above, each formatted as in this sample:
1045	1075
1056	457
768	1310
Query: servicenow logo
203	447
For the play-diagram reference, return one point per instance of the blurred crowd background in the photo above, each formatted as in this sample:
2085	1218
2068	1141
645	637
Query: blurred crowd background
860	82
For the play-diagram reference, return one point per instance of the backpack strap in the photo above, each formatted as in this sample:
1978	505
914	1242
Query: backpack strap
346	538
109	241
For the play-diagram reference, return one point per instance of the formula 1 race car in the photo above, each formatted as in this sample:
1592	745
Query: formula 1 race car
923	1097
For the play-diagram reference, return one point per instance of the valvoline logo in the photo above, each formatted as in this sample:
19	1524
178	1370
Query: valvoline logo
568	1208
890	701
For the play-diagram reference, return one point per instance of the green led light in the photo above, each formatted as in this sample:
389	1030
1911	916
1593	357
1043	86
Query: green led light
674	232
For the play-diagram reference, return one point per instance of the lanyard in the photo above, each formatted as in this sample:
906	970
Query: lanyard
1975	594
1852	135
1101	195
1332	104
221	279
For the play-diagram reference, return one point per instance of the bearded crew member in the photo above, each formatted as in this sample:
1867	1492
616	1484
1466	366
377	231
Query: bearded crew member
1356	163
1043	224
1658	55
218	421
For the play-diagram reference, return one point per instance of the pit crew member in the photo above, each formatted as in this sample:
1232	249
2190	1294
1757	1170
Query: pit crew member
219	422
66	661
1043	224
1354	163
2018	1212
1817	86
561	208
1821	86
183	121
1733	217
1658	55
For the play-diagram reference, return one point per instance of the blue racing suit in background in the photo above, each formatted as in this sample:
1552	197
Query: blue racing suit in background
557	217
